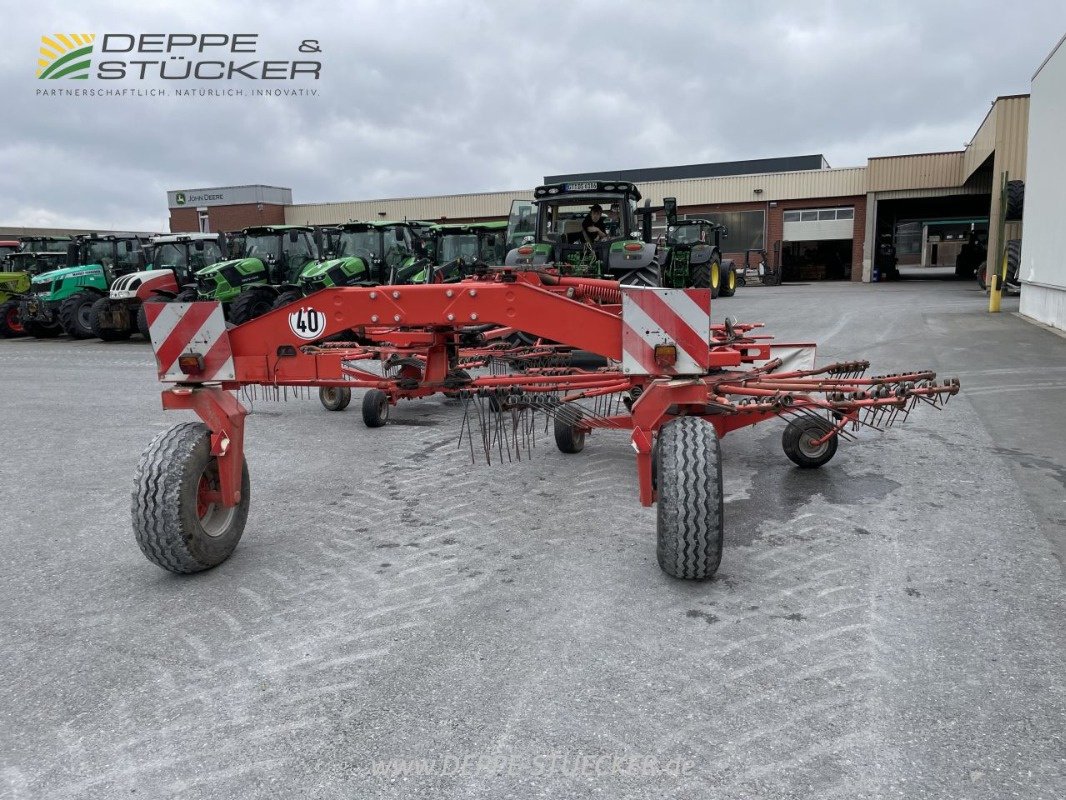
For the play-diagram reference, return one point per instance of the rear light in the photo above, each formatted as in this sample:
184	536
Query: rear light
525	250
192	363
632	247
665	355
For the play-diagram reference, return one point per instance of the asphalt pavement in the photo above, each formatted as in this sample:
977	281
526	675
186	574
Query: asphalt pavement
400	623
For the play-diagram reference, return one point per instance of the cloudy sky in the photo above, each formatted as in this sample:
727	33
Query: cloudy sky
437	98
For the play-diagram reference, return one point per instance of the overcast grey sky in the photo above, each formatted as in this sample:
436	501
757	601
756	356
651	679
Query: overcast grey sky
434	98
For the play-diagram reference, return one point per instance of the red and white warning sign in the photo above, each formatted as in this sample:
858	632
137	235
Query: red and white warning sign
190	329
676	321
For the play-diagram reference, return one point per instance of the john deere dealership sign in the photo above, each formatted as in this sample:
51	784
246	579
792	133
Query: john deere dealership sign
229	196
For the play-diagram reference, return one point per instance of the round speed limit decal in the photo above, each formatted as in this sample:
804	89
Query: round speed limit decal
307	323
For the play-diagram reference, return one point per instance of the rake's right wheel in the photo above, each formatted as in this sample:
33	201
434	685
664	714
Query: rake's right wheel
688	475
569	436
798	442
375	408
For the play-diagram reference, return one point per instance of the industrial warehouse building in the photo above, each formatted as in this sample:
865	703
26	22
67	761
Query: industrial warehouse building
819	223
1043	268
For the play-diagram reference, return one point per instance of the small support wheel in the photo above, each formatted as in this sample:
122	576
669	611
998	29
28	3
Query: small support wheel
335	398
688	476
798	443
179	520
375	408
569	437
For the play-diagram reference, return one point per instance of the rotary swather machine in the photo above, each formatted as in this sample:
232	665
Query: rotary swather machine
646	360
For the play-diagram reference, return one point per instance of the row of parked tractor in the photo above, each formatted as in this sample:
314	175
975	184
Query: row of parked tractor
97	285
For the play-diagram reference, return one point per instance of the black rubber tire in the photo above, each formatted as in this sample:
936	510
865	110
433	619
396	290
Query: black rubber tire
11	321
335	398
649	275
75	314
251	303
1014	261
982	275
142	315
708	276
105	334
287	298
1015	200
690	520
729	279
569	438
795	441
185	296
168	529
375	408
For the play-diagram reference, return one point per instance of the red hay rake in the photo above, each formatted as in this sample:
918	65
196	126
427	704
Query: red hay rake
593	355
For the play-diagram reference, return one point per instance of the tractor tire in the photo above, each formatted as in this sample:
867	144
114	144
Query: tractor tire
142	315
569	438
287	298
177	527
96	311
185	296
11	321
649	275
335	398
1014	261
1015	200
251	303
75	314
772	277
690	522
375	408
708	276
796	442
729	280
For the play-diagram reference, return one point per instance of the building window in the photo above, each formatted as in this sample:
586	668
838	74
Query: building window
792	216
745	229
845	213
808	216
819	214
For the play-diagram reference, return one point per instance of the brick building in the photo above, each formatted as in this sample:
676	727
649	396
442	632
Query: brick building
227	208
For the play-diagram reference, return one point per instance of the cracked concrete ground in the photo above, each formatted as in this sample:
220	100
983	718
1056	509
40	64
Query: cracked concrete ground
888	626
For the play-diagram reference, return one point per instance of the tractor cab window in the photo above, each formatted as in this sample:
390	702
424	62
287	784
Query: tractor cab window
361	244
265	248
686	234
128	254
300	250
170	255
521	223
211	254
397	250
100	251
453	247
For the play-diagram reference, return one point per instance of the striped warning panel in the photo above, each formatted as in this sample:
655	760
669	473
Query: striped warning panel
178	329
654	317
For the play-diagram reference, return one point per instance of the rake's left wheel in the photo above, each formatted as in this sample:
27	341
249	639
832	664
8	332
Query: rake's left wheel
798	442
688	475
335	398
179	520
569	436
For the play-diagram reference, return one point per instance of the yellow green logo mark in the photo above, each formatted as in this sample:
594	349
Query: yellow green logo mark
65	55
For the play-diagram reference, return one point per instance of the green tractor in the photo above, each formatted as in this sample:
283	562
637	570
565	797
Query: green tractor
456	249
549	230
61	300
361	254
175	260
39	254
273	258
692	255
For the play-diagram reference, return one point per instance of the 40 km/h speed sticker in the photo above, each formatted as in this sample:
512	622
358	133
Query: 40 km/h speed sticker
308	323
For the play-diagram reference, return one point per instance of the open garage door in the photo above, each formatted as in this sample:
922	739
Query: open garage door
817	244
934	238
